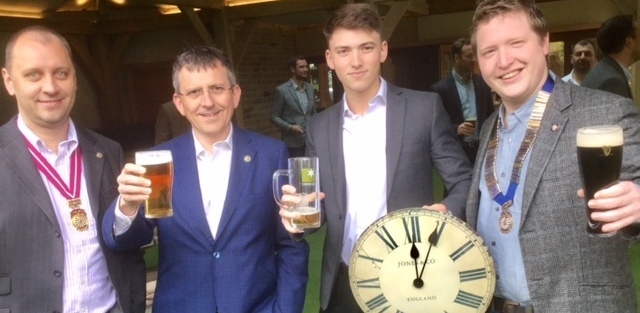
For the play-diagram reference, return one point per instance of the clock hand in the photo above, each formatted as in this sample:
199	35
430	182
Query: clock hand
415	254
433	241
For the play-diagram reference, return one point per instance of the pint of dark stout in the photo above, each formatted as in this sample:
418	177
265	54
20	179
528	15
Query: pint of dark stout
159	166
599	159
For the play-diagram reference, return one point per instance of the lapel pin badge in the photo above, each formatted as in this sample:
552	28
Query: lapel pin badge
554	127
247	159
99	155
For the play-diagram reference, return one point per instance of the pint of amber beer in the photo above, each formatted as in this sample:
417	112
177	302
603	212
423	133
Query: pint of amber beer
599	159
159	165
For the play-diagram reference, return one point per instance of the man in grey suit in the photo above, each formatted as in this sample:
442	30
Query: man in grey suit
377	148
619	40
57	181
293	105
545	261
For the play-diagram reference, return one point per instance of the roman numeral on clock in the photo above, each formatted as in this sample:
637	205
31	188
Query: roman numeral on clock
468	299
376	302
386	238
412	228
478	273
369	283
461	251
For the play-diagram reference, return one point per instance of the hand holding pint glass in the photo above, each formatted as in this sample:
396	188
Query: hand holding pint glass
599	159
304	177
159	170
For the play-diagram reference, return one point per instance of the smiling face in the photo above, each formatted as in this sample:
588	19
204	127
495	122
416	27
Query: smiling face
43	80
356	55
583	57
210	114
512	57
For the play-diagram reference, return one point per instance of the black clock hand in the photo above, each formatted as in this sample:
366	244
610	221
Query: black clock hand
415	254
433	241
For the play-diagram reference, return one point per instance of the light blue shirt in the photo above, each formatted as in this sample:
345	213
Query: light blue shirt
301	92
467	95
511	282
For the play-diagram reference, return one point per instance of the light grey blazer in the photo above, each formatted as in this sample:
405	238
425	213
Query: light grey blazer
568	271
31	245
288	111
419	138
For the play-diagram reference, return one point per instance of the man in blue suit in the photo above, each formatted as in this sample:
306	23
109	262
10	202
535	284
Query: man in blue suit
224	249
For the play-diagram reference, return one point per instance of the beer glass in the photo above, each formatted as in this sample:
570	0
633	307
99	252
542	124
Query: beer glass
304	176
159	165
599	159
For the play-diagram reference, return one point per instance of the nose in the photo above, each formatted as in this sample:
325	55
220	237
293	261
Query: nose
207	98
50	85
504	58
356	59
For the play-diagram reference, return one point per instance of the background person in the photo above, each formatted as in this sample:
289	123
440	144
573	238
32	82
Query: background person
293	106
583	58
169	123
618	39
223	250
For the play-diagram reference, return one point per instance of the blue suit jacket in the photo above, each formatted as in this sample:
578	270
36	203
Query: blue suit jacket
252	265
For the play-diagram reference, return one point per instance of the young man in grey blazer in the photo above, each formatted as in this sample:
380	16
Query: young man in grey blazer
545	261
57	180
377	149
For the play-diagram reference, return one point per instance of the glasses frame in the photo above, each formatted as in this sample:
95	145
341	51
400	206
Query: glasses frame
215	90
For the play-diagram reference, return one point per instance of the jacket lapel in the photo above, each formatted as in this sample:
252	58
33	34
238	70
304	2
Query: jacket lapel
93	164
240	170
14	152
551	127
336	155
453	91
294	95
396	108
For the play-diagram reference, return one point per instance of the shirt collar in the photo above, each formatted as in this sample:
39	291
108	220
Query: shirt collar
458	78
625	69
380	99
523	113
70	144
200	150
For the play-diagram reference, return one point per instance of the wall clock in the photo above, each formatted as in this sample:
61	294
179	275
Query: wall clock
417	260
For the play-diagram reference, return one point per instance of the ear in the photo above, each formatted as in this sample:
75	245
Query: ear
545	44
177	101
8	82
384	51
236	93
327	56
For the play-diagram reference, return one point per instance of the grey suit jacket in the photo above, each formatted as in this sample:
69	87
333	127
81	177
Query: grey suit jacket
31	246
419	138
287	111
568	271
609	76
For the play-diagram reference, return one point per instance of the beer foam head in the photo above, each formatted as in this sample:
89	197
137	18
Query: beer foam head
153	157
600	136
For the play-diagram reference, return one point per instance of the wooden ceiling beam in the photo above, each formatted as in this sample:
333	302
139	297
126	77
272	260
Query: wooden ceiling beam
204	4
281	7
197	23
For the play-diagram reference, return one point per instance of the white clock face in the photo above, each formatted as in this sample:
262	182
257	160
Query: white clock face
415	260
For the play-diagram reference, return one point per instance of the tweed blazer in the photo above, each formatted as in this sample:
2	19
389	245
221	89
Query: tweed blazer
566	270
419	138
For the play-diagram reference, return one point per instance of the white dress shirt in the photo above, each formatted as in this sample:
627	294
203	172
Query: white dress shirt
365	162
87	287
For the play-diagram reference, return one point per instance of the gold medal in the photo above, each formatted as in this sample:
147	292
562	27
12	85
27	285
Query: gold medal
505	222
79	219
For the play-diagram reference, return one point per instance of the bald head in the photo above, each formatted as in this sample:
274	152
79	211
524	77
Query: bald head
41	34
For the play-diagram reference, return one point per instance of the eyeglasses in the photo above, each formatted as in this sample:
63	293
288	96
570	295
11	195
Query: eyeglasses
212	90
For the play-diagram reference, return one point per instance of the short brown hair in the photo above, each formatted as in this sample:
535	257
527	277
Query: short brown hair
200	58
488	9
353	16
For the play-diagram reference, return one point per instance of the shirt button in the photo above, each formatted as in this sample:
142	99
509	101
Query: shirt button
503	174
497	209
216	255
57	234
493	243
57	273
509	140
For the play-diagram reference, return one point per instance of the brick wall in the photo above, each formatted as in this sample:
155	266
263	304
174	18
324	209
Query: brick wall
262	68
